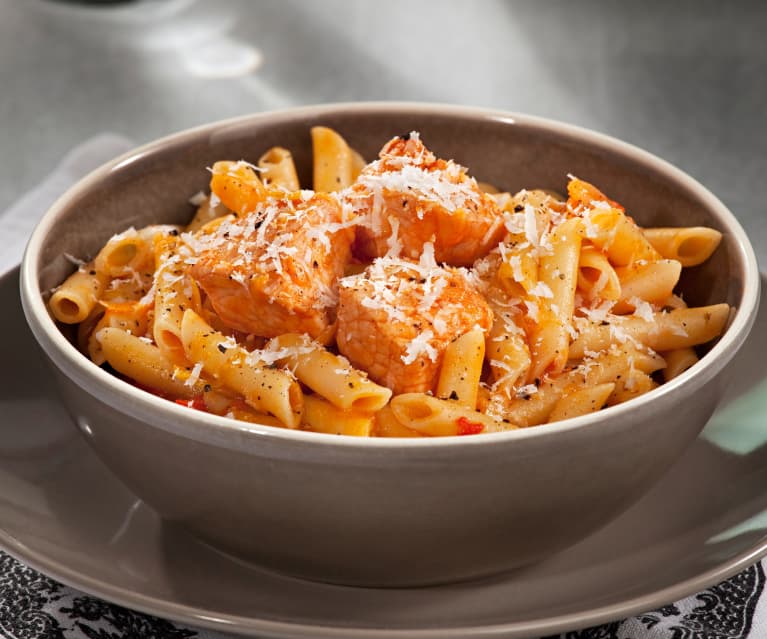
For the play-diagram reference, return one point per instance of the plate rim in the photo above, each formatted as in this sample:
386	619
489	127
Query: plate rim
251	626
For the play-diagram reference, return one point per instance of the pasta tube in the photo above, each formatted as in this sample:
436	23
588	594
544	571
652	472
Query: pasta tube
608	226
462	368
558	272
535	406
680	328
321	416
333	160
385	424
596	276
329	375
581	401
237	186
632	385
278	169
174	293
689	245
652	282
438	417
75	299
678	361
144	363
129	251
265	389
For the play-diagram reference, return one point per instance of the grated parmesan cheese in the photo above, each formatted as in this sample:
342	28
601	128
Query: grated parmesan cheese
194	376
642	308
541	289
527	390
198	198
531	226
420	344
532	310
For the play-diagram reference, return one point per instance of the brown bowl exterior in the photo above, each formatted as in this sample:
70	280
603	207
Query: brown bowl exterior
375	512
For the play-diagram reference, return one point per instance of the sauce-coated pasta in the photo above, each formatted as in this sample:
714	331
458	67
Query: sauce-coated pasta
399	298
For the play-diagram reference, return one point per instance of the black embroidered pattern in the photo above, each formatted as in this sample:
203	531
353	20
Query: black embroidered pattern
724	611
23	595
607	631
124	623
32	606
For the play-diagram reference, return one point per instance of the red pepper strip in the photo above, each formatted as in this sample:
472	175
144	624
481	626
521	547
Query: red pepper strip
197	402
467	427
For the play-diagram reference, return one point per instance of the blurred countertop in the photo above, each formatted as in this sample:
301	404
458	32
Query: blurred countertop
685	80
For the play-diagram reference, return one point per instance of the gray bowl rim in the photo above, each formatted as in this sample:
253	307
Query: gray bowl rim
202	426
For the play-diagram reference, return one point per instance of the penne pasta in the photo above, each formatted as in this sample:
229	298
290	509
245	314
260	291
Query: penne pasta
596	276
608	227
401	298
175	292
236	186
242	412
127	251
130	251
278	169
678	361
535	403
333	160
518	269
144	363
75	299
581	401
651	282
132	318
631	385
440	417
321	416
462	368
689	246
558	273
265	389
327	374
387	425
619	237
680	328
507	353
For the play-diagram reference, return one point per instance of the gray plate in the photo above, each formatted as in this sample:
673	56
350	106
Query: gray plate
62	512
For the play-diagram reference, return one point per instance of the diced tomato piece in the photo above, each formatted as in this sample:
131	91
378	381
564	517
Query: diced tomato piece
468	427
197	402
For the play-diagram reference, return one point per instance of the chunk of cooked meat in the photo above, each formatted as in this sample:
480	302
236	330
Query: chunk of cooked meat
409	197
396	319
276	270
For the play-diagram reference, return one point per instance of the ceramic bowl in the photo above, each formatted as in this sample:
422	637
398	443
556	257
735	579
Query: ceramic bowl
379	512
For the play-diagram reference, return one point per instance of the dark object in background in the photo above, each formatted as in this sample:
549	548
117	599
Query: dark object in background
93	2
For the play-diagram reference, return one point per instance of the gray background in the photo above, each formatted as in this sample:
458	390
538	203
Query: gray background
685	80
